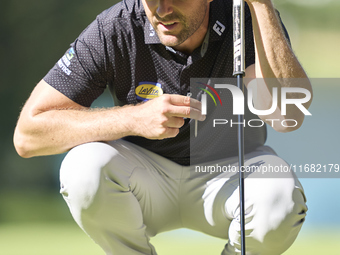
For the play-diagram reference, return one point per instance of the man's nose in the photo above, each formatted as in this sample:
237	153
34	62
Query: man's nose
165	7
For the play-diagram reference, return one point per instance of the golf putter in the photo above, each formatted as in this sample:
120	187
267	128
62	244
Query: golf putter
239	72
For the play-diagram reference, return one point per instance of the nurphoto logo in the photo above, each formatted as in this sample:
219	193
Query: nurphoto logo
279	98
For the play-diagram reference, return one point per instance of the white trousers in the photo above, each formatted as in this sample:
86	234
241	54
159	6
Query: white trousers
121	194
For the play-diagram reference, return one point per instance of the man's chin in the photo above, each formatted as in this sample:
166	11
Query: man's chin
169	40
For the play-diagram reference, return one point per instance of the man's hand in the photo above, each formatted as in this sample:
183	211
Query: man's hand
163	116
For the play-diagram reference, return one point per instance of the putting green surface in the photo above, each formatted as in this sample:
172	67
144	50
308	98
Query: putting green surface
67	238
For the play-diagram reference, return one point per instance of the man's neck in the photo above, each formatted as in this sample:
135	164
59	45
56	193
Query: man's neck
195	40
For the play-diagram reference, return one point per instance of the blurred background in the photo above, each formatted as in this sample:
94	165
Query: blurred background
33	217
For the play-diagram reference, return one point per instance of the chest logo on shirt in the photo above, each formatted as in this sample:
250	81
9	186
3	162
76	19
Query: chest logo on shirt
148	90
219	28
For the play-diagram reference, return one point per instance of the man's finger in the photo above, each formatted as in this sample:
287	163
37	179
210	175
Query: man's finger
185	101
175	122
196	114
185	112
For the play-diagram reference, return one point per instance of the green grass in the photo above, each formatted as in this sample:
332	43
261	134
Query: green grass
310	242
45	239
67	239
39	223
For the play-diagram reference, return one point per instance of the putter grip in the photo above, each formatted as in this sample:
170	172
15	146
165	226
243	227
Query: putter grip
238	26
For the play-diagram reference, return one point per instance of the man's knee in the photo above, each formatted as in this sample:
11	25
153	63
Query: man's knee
277	214
90	167
275	210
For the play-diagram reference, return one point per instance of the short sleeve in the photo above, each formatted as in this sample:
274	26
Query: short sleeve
249	39
81	74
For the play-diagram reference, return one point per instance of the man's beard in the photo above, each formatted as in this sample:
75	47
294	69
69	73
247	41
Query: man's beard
188	29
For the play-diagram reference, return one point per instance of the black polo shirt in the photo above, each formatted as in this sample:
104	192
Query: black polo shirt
121	50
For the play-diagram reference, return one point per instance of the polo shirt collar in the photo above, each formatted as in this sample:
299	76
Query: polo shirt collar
218	20
150	35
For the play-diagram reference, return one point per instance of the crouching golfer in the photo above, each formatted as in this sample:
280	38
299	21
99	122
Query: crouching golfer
127	174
